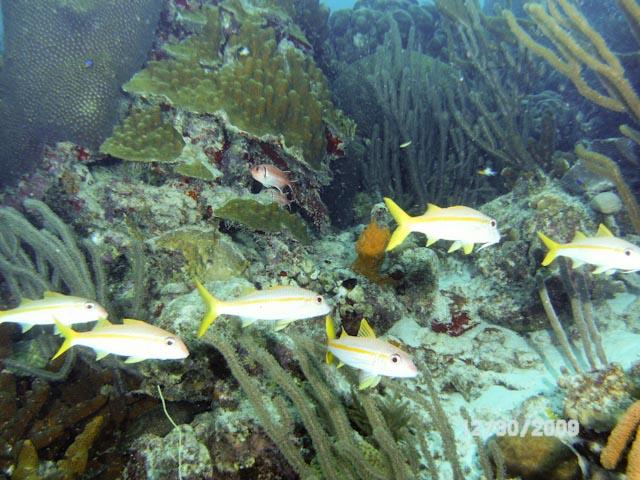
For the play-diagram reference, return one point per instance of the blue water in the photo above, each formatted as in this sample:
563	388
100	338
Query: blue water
338	4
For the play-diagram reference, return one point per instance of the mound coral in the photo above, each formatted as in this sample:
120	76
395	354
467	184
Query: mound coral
64	65
370	248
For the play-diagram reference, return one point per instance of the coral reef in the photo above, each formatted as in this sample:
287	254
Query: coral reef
620	436
144	137
63	69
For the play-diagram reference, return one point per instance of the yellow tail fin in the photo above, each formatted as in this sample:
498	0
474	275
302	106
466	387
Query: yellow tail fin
331	334
211	305
553	249
69	336
402	218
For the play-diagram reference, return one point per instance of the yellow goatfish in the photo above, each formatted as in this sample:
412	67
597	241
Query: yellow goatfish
373	357
135	339
67	309
464	225
280	304
606	252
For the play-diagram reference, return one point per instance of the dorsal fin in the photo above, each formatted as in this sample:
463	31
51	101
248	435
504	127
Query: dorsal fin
49	294
432	208
365	329
579	236
603	231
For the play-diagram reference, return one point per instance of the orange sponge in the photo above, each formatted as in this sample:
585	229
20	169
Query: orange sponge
370	248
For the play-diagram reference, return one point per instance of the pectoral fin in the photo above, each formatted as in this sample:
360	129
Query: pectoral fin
431	241
368	380
26	327
100	355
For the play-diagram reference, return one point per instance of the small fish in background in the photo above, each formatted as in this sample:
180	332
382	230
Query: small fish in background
374	358
487	172
281	305
463	225
405	144
88	63
67	309
244	52
605	251
135	339
271	176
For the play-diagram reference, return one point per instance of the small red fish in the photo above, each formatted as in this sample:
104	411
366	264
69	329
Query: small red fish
279	198
271	176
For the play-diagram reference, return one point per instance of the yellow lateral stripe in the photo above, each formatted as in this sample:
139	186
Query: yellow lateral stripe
269	300
352	349
41	308
428	219
115	336
592	247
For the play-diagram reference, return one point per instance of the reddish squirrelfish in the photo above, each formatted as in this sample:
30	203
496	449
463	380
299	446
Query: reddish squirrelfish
282	305
271	176
134	339
606	252
374	358
464	225
67	309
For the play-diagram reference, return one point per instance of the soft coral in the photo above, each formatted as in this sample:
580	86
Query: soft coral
370	248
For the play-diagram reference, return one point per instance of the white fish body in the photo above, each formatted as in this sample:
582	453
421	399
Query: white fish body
605	251
282	305
67	309
135	339
374	358
463	225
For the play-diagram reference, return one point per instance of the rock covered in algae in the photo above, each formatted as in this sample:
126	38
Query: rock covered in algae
267	218
208	253
144	136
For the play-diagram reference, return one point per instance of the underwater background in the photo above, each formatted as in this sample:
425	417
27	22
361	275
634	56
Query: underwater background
277	239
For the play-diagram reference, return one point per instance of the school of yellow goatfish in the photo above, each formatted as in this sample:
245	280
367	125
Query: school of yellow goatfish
373	357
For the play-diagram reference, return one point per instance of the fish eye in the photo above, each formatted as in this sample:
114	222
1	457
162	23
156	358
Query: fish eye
169	341
493	223
627	252
395	358
319	299
89	306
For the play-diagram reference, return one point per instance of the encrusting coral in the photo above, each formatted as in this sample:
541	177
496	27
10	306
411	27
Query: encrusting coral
370	248
144	137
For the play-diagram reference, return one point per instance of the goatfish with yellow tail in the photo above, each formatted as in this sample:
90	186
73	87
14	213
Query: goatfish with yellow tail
135	339
605	251
374	358
281	305
67	309
463	225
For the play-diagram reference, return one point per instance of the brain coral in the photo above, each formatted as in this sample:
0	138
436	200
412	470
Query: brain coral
64	64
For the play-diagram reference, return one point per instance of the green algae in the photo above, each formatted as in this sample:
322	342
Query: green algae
267	218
